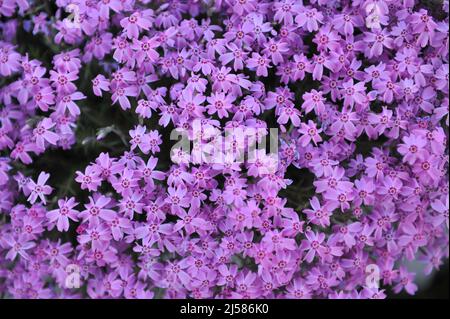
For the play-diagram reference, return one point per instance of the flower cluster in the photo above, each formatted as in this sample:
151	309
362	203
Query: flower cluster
359	91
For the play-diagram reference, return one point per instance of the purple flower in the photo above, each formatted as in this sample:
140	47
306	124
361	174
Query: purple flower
260	63
134	24
96	210
312	245
43	134
17	246
309	133
39	189
62	215
356	176
405	282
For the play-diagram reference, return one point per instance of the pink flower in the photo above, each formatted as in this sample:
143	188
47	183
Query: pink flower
99	84
377	41
98	47
309	133
275	49
195	82
241	7
191	103
154	140
309	19
285	11
318	215
347	233
68	61
9	61
145	49
236	54
302	65
327	39
66	103
97	210
106	6
39	189
220	103
18	246
412	149
131	204
43	134
135	23
139	138
287	113
313	101
190	222
153	231
44	98
260	63
353	93
423	25
312	245
405	282
391	187
298	289
121	94
427	169
364	191
425	99
63	81
345	121
177	199
280	98
119	226
441	207
222	79
90	179
339	198
148	172
144	108
375	167
126	182
98	235
62	215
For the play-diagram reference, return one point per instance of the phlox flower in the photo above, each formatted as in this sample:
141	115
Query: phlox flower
43	134
121	95
220	103
126	182
309	133
97	210
18	246
90	179
412	149
135	23
309	19
39	189
260	63
62	215
312	245
318	215
67	103
356	176
62	81
99	84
